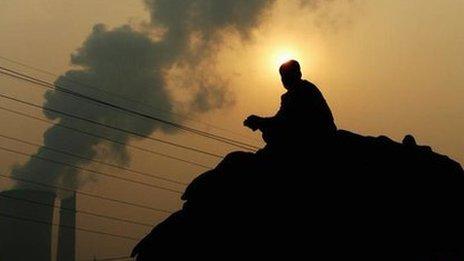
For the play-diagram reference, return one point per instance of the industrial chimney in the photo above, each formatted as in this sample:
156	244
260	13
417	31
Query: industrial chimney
66	233
25	227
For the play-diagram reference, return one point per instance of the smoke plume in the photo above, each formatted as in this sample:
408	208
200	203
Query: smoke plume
132	64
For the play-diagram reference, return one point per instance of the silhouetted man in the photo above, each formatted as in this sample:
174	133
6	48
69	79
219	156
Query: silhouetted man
304	115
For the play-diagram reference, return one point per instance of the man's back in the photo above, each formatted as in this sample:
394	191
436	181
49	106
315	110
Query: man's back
303	117
305	107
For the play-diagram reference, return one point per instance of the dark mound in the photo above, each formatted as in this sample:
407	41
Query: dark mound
355	198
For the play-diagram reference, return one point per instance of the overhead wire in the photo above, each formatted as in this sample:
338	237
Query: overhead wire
88	194
74	116
45	84
67	226
85	212
92	160
123	97
101	173
193	163
110	258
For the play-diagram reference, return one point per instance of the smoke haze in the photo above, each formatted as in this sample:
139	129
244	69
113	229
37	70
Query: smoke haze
132	64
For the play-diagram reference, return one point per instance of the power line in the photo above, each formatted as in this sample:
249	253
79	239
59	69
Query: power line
91	170
93	88
110	258
88	194
108	139
39	82
92	160
98	102
111	127
66	226
77	211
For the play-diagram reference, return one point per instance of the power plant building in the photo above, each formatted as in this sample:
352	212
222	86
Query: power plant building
26	226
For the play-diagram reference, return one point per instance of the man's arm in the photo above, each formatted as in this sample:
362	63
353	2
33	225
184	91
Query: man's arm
255	122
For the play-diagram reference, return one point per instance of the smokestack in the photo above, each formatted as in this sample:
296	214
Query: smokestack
66	235
21	239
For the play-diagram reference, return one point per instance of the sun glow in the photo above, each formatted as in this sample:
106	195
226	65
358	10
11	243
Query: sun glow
277	54
283	56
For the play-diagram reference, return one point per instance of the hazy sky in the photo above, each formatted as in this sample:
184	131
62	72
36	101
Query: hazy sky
385	67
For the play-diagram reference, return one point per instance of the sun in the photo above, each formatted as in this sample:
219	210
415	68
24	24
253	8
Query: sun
277	54
282	56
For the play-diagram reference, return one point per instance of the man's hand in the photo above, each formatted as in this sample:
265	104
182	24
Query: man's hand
253	122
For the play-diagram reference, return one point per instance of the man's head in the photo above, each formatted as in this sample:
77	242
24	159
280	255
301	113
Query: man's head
290	74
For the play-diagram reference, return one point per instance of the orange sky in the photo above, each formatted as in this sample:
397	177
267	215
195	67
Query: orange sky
385	67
